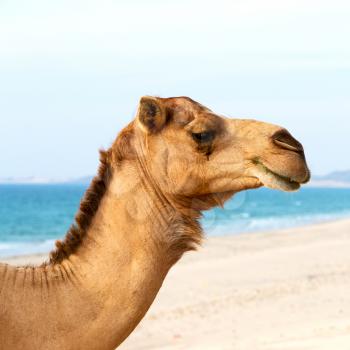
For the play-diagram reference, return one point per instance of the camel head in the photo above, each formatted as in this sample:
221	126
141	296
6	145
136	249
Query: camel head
189	151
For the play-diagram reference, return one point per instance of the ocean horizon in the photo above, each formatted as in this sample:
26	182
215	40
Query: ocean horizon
33	216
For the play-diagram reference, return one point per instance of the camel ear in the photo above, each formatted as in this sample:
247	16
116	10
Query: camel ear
151	114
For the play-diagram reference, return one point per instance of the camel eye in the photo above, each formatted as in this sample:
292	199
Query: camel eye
203	137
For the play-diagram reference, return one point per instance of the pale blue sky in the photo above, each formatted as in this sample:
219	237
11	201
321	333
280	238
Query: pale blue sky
71	73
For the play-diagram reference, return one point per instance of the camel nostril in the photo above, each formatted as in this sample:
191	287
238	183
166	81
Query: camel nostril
285	140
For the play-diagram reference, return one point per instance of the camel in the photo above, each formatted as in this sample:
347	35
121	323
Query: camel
138	217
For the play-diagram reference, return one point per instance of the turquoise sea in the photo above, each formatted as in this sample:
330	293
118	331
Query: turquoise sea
32	217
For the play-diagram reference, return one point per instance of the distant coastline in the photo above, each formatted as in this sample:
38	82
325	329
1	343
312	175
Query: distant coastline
32	180
338	179
328	184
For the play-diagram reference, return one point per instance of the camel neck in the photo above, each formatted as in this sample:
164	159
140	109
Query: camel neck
125	256
130	220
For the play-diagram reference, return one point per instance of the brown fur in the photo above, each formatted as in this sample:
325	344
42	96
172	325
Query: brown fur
122	147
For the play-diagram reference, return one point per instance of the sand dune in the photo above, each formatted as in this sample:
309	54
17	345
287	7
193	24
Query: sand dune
286	290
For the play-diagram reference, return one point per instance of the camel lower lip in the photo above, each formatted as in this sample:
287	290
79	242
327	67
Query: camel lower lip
274	180
281	177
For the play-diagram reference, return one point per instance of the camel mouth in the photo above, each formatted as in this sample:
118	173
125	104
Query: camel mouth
273	180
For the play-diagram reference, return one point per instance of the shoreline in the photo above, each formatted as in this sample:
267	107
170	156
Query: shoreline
41	257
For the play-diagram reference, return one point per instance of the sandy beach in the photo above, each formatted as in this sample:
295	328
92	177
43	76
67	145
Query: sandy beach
283	290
